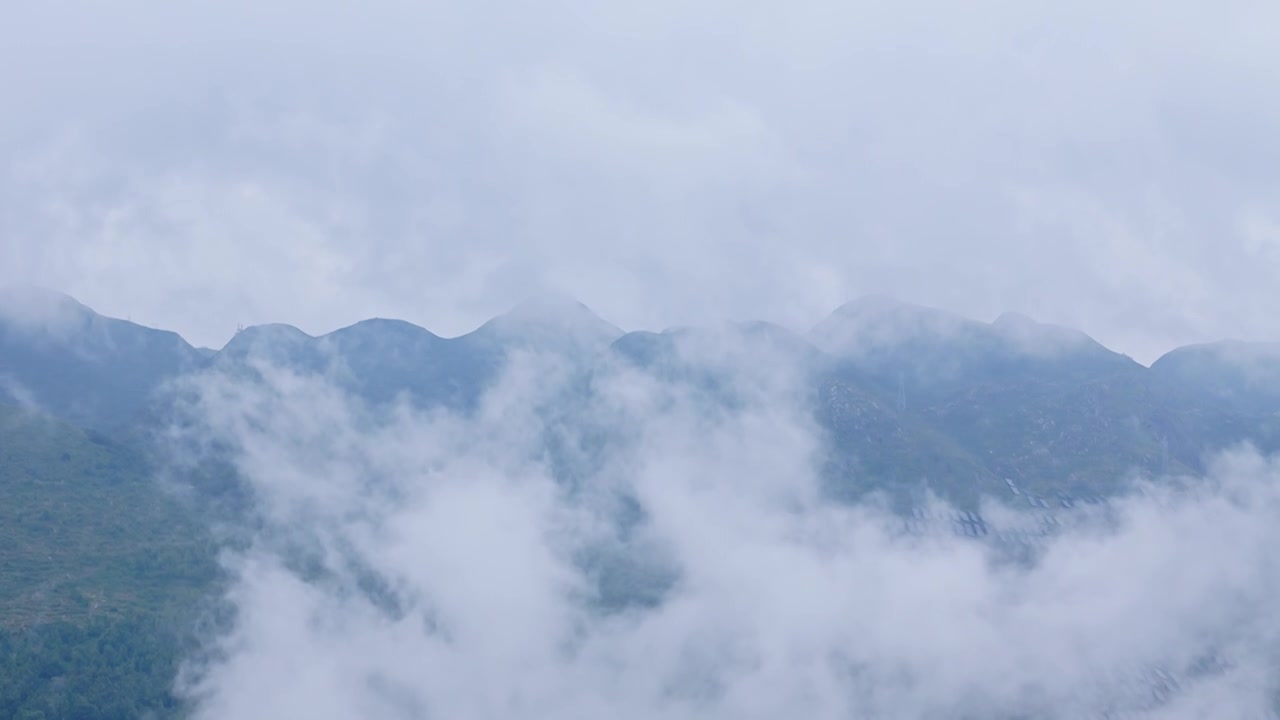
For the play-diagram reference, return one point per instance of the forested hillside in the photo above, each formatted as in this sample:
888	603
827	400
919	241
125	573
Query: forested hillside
103	574
108	559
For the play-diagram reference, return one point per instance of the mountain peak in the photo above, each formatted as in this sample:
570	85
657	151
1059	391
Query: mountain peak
35	293
275	331
1249	358
1032	337
551	321
1014	319
876	305
382	327
550	307
33	308
269	340
878	321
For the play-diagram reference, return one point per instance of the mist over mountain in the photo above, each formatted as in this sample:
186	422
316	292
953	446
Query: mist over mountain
59	355
455	507
1244	377
641	361
910	397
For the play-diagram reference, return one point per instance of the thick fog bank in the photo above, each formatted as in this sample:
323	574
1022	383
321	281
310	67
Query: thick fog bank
615	545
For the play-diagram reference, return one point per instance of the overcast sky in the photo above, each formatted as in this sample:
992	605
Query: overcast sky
202	164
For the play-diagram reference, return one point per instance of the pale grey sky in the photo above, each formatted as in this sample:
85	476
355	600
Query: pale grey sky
1109	166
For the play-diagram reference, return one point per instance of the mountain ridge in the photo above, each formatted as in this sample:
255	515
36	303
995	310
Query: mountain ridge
902	391
533	307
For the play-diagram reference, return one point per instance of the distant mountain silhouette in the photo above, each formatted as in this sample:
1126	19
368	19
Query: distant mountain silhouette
904	401
909	397
1239	376
382	359
548	323
62	357
936	351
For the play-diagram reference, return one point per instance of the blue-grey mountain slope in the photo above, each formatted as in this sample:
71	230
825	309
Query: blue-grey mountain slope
1046	407
903	399
1234	375
63	358
908	397
384	360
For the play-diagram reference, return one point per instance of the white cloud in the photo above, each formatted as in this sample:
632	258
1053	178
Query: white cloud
671	164
781	603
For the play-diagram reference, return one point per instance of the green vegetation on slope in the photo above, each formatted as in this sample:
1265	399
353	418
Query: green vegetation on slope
99	566
106	668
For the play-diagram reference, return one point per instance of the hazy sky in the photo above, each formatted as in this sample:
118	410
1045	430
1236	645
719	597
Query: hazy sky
202	164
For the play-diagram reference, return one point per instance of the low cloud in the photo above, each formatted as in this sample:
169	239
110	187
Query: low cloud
611	544
15	393
316	165
41	315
